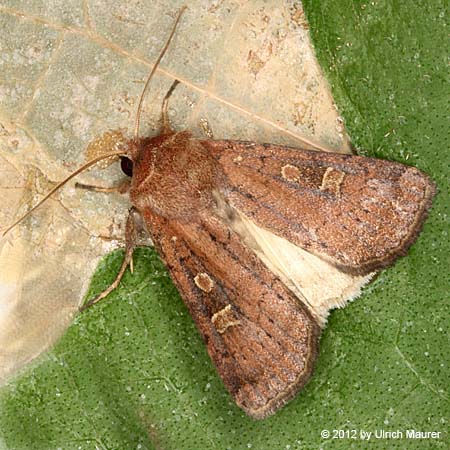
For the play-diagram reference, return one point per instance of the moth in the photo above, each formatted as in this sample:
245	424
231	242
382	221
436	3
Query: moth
217	210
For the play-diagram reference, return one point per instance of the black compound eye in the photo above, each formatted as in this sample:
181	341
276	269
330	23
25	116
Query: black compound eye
126	165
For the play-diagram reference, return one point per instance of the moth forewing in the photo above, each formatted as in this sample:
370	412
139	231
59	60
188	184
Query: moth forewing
262	341
357	213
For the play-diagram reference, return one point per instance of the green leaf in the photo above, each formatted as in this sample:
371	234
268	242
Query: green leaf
133	373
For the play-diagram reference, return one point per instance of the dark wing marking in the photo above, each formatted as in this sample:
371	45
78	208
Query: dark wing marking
358	213
261	339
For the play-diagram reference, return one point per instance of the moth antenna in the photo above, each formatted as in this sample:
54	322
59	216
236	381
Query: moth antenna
61	184
164	109
155	66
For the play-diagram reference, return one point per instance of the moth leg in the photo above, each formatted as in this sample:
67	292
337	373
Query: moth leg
131	239
121	188
166	128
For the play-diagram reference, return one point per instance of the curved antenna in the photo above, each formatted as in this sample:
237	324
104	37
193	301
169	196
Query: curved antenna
155	66
62	183
108	155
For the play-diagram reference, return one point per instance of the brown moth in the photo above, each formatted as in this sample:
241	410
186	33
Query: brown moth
216	209
357	213
199	198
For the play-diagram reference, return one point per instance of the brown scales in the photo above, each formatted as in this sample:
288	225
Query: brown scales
377	215
358	213
269	352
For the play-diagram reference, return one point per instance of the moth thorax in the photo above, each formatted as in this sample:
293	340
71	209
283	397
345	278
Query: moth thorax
174	175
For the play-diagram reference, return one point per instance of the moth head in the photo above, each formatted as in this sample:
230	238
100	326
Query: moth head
136	151
139	156
142	154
